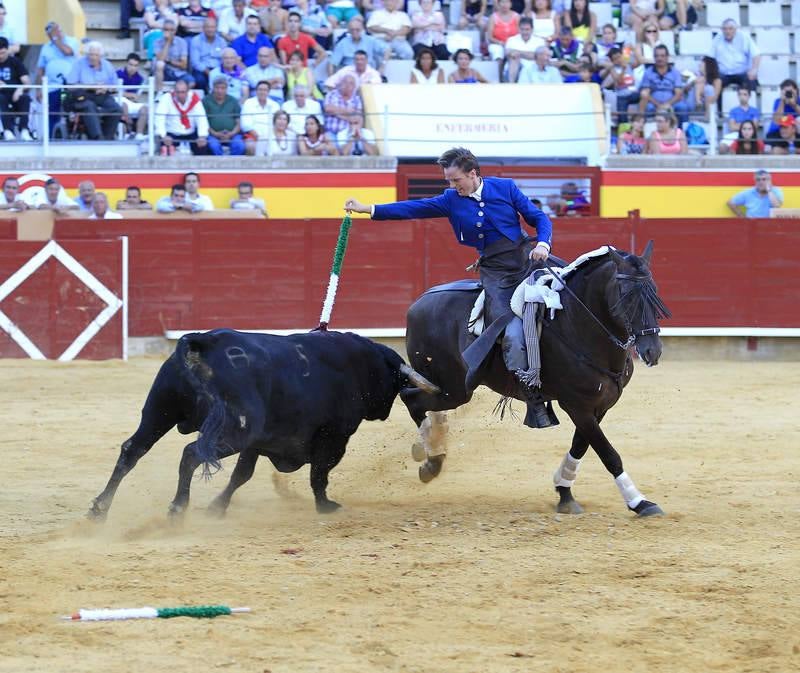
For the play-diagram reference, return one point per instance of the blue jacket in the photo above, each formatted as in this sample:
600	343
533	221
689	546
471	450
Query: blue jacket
476	224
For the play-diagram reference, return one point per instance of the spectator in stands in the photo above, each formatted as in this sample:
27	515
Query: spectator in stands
86	195
582	21
787	141
541	72
9	197
429	26
361	70
668	138
233	73
97	104
426	70
267	70
341	11
246	201
737	55
680	13
785	104
607	42
341	104
473	14
632	141
646	42
299	107
56	59
175	202
642	12
297	73
566	52
128	9
157	14
662	86
618	82
464	72
256	120
171	56
181	118
274	19
356	140
233	21
315	142
223	112
15	103
521	49
757	201
133	200
295	40
132	107
706	88
247	45
100	210
743	112
7	32
191	19
503	23
205	53
282	141
570	202
54	198
392	26
546	22
315	23
354	40
747	141
191	181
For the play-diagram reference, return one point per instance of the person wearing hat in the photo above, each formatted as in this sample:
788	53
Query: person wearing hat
15	104
56	59
787	142
757	201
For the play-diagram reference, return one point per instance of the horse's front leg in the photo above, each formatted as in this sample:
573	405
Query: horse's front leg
589	428
564	476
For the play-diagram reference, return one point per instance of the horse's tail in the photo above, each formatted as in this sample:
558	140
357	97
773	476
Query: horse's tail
209	445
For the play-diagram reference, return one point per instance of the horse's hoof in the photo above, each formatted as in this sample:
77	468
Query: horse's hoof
647	508
96	514
216	510
418	452
569	507
327	506
430	469
175	512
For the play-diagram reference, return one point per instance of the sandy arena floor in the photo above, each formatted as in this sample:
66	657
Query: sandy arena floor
473	572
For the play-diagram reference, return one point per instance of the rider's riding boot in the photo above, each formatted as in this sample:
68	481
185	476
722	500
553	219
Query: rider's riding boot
538	415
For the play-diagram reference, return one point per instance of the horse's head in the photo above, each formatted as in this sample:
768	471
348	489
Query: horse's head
634	301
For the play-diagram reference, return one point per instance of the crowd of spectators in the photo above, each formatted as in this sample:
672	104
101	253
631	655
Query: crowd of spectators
223	69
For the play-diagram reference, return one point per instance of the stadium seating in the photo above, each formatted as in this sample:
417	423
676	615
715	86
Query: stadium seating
765	14
773	40
695	42
717	12
773	70
768	96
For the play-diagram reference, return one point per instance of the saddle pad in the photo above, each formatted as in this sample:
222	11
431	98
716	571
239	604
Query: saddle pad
464	285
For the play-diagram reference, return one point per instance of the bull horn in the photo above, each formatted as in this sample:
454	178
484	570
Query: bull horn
419	380
648	251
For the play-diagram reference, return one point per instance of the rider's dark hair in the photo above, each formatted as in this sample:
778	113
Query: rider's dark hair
461	158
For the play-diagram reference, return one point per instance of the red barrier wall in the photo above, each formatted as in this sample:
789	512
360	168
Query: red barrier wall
272	274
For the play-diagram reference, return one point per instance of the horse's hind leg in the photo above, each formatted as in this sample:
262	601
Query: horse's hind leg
564	476
589	427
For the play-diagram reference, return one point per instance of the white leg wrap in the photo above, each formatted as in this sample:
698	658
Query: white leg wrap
630	494
567	472
433	432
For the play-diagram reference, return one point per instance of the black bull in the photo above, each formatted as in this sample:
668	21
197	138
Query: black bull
583	367
296	399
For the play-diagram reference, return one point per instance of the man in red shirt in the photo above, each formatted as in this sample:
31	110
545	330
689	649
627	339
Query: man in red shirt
294	41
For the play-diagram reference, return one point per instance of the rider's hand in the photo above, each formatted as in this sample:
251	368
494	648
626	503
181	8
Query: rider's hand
351	205
539	253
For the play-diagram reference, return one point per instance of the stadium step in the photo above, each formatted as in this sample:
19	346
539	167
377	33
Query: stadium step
101	15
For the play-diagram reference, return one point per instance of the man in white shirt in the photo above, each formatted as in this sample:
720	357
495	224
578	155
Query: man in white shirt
355	140
541	72
256	120
392	26
9	197
299	108
175	202
737	55
233	21
361	70
100	209
521	49
54	198
191	181
181	117
267	70
246	200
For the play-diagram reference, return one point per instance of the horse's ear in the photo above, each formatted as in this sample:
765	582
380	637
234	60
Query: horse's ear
648	252
619	259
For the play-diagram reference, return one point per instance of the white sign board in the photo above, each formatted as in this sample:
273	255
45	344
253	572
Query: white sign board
494	120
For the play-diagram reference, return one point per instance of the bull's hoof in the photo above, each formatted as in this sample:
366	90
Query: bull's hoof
430	469
327	506
97	513
418	452
569	507
647	508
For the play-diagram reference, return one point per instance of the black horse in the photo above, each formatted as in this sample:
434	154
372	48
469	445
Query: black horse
609	304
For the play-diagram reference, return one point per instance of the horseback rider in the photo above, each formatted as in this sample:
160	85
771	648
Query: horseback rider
484	214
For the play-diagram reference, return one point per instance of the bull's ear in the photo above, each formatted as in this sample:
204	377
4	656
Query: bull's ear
648	252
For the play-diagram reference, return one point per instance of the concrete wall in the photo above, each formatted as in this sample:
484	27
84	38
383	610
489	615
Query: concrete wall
67	13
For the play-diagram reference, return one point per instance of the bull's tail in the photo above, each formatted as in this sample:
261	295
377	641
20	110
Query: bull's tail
209	445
